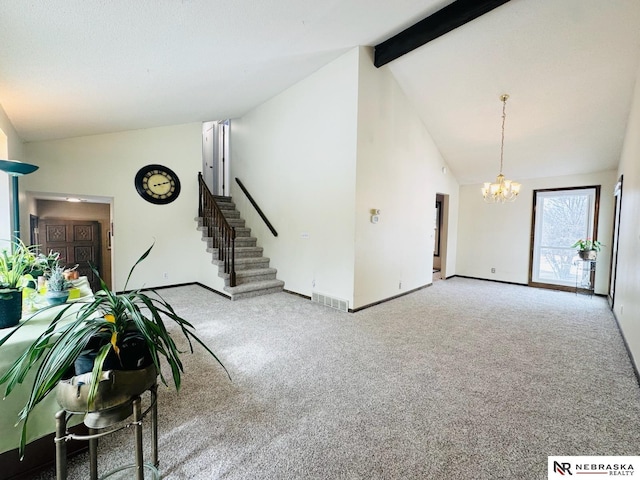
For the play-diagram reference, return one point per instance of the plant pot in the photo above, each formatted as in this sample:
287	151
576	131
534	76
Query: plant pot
56	298
112	403
588	254
10	308
134	354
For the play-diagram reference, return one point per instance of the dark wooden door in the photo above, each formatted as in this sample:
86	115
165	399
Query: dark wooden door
78	242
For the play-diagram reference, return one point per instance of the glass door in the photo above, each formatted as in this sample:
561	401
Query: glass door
560	218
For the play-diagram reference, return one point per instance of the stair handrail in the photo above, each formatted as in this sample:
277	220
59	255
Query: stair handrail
255	205
223	234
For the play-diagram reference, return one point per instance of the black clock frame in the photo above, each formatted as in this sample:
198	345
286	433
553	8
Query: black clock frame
144	194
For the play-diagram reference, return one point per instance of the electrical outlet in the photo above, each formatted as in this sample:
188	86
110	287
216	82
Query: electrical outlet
493	270
165	275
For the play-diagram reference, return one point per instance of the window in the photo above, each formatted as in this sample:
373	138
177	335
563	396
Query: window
560	218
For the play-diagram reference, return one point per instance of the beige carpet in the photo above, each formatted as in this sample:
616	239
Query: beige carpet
463	380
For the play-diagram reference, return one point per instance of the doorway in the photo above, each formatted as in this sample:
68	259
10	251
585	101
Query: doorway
440	228
215	156
81	231
617	193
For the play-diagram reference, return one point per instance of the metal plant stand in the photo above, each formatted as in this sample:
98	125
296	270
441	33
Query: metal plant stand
585	276
63	436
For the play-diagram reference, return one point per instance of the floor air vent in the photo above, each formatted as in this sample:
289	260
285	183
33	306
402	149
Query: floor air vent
342	305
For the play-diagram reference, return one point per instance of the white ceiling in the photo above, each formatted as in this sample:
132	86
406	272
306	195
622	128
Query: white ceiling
80	67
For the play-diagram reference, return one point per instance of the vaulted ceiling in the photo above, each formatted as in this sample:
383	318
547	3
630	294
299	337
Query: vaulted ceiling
73	67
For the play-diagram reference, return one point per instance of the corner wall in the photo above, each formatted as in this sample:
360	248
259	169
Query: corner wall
106	165
627	297
399	172
499	235
296	155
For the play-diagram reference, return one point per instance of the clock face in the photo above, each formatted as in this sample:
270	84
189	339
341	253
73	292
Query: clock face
157	184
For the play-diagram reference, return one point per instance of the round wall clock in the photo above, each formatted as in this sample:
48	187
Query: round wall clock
157	184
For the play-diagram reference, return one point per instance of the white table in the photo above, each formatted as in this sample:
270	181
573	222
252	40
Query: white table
42	419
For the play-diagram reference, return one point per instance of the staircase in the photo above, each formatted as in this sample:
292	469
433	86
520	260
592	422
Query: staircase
254	277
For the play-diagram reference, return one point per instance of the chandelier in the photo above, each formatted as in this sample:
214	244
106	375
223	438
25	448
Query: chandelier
502	190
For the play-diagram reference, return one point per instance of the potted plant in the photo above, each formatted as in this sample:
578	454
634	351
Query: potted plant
104	323
587	249
43	264
15	263
57	286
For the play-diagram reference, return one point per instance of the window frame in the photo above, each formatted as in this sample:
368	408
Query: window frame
596	214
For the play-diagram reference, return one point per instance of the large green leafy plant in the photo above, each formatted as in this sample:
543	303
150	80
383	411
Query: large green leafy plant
109	315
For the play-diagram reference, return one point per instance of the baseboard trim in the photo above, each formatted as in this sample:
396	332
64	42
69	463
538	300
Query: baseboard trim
354	310
634	365
296	294
489	280
223	295
162	287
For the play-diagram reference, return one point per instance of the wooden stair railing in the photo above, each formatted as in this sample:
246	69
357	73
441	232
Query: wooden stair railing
258	209
223	234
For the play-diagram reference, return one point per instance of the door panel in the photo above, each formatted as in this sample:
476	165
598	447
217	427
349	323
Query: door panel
77	241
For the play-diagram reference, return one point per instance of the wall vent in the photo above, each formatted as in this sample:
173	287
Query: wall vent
337	303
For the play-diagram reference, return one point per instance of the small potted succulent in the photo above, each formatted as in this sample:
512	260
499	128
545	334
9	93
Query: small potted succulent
57	286
587	249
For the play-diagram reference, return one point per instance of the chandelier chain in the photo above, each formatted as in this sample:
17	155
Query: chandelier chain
504	117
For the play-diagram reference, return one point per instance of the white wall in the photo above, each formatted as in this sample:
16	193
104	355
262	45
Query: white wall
627	298
105	165
499	235
399	172
296	155
10	149
317	158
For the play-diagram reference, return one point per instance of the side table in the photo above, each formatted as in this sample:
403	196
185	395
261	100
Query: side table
63	436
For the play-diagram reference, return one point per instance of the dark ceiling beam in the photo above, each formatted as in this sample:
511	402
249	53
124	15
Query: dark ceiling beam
443	21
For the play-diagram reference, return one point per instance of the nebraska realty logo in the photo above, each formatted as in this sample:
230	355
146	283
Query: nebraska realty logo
563	467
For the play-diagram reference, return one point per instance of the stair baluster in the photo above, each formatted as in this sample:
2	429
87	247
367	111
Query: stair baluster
223	235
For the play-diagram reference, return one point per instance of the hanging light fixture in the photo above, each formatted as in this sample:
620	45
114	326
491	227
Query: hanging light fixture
502	190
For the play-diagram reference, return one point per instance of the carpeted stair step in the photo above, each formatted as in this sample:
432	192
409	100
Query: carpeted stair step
246	241
231	214
222	199
236	222
240	241
246	263
254	289
249	276
240	231
226	206
240	252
